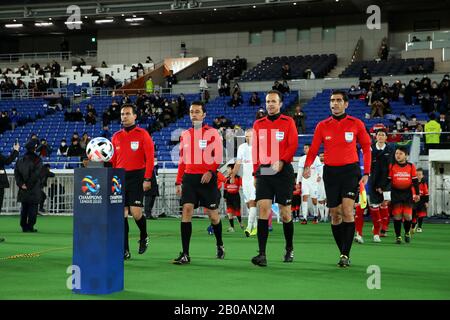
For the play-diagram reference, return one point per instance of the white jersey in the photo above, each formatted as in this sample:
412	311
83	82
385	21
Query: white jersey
244	155
316	170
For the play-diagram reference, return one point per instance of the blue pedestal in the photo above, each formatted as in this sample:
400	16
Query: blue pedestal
98	233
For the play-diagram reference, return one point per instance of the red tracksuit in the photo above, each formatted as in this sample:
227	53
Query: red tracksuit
274	140
339	138
134	150
200	151
231	195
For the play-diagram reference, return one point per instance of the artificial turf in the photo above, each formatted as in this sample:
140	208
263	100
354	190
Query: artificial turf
33	265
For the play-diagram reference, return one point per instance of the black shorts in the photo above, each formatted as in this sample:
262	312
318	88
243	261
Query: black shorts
134	191
233	201
199	194
403	197
278	187
375	198
341	182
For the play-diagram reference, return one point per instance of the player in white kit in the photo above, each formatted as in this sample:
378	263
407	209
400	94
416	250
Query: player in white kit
321	195
244	158
310	185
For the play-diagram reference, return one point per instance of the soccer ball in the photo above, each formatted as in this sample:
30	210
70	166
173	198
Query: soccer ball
100	150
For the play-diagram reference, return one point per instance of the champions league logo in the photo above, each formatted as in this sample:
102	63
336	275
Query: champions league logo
116	187
90	186
116	190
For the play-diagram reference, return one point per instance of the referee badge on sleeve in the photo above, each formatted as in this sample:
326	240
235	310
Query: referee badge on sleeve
202	144
134	145
349	136
279	135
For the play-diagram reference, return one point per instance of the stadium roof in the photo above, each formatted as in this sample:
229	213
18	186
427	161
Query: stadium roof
185	12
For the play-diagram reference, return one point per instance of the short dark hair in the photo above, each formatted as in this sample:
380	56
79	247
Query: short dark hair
380	130
307	144
230	165
280	95
128	105
342	93
403	149
199	103
419	169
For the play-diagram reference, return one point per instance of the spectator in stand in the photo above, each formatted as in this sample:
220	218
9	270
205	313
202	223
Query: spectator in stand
149	60
106	133
125	99
377	110
204	88
384	50
286	72
90	118
91	108
226	123
79	69
62	150
260	114
444	122
308	74
77	115
171	79
109	83
415	39
75	149
221	86
104	65
182	105
299	119
5	122
277	86
285	87
411	92
99	83
254	100
94	72
365	78
44	150
55	69
52	83
236	100
354	93
114	110
84	140
14	119
216	123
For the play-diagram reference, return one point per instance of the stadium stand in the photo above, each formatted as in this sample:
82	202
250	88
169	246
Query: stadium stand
270	67
232	67
390	67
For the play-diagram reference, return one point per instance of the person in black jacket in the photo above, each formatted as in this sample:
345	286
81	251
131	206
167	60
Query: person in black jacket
150	195
46	174
382	157
29	173
4	183
4	161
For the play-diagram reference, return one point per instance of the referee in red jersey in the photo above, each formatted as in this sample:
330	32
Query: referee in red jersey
341	174
275	141
200	157
134	151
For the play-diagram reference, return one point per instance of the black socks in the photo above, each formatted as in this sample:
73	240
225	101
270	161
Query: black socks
186	231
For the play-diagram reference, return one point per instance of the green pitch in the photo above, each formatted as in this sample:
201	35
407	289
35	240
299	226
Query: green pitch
33	266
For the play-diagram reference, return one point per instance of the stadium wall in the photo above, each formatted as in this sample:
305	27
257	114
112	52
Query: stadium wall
338	35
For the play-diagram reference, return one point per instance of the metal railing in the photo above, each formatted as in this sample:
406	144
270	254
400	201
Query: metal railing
29	56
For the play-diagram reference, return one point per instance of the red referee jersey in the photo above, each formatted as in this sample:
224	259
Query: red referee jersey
339	137
200	151
133	150
274	140
233	188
